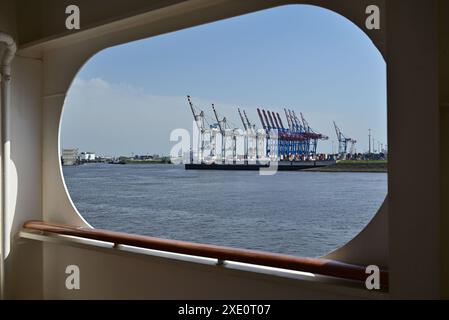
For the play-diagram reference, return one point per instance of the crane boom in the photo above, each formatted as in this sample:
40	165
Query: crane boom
247	120
276	120
289	120
266	120
273	125
295	120
243	120
220	122
337	131
261	119
280	121
198	117
191	106
304	122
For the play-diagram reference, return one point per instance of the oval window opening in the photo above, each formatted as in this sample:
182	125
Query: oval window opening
281	147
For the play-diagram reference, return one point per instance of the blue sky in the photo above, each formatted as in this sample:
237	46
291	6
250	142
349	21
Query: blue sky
127	99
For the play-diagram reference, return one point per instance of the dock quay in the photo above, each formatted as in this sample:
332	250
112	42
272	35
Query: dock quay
281	165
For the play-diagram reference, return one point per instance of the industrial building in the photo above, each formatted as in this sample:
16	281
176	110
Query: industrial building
87	156
70	157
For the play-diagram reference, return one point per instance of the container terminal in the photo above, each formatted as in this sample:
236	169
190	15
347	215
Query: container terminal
291	147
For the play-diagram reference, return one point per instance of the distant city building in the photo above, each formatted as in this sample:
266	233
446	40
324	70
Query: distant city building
87	156
70	157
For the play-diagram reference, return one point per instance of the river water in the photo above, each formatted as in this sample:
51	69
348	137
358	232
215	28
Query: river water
298	213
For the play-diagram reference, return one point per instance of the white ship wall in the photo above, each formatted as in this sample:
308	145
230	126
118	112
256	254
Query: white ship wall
407	235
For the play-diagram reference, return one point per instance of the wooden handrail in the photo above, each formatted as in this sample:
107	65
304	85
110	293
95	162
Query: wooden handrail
312	265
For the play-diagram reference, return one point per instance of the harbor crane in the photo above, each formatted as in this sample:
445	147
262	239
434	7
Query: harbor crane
222	126
289	121
198	116
245	125
291	129
253	132
226	131
266	127
247	128
344	142
312	136
283	136
271	135
252	127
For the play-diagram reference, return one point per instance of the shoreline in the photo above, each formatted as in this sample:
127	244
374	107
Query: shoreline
341	166
144	162
354	166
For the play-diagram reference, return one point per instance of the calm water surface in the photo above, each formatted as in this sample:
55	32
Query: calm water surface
299	213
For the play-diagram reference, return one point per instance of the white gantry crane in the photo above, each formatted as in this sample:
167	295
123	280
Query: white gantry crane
225	132
207	137
246	137
344	142
198	116
254	136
